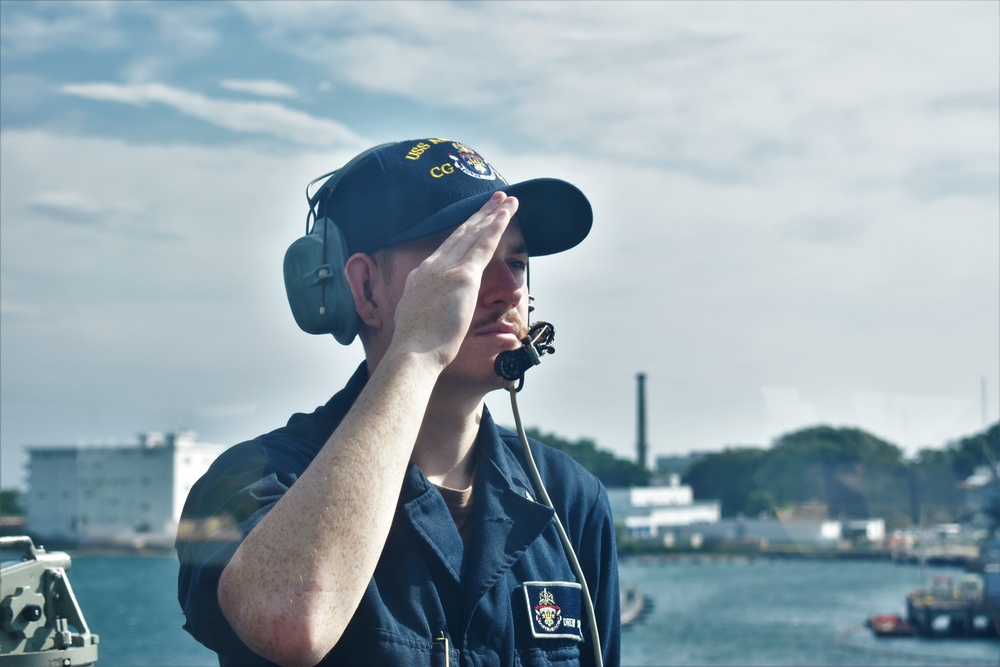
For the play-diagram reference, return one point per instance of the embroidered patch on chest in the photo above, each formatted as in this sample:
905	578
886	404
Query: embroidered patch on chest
554	609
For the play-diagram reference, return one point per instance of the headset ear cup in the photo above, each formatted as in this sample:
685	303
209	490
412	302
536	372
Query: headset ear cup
317	290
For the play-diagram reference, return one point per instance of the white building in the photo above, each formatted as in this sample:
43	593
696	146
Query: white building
671	514
124	494
649	511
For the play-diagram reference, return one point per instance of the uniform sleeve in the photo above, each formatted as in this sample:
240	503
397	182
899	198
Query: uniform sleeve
599	560
222	508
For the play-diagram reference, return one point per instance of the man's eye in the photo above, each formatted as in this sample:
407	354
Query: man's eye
517	265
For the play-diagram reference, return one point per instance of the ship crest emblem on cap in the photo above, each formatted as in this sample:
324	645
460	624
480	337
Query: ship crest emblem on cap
548	615
471	163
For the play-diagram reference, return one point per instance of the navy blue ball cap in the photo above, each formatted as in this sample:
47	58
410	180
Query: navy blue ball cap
408	190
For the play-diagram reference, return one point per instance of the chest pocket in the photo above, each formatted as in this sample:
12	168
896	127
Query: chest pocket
566	656
375	646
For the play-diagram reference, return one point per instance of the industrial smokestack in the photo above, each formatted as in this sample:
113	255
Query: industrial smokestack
982	398
641	421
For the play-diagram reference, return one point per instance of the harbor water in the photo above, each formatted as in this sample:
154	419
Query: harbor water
765	612
711	612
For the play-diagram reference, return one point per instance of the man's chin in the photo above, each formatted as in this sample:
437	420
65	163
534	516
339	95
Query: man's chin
482	377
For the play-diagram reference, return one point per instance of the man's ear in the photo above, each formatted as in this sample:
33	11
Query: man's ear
361	273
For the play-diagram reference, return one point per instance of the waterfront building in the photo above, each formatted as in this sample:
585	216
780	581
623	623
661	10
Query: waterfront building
114	494
670	515
650	511
764	532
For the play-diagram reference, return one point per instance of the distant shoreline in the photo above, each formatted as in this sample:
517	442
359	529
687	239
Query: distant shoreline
749	555
632	553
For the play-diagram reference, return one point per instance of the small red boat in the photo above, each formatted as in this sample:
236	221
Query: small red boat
889	625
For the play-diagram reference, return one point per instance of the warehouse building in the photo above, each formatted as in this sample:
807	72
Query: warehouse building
114	494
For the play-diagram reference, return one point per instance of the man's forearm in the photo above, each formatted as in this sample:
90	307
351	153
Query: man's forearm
295	582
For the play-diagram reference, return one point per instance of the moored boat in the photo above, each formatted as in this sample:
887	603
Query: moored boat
889	625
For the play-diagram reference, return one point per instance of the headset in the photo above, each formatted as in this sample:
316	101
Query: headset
315	284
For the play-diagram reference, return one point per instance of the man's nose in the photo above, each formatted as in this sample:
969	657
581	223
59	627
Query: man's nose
501	284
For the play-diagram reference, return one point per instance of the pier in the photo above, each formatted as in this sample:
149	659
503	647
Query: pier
633	605
947	610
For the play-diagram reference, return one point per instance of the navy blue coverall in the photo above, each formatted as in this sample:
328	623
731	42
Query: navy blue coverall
510	598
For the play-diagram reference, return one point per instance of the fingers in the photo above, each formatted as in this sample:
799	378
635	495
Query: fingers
477	238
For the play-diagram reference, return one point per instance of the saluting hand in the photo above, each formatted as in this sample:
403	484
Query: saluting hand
439	298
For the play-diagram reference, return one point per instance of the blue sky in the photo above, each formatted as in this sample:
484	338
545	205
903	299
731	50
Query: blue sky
797	207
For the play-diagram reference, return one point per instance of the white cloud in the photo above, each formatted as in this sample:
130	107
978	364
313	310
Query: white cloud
262	87
10	308
237	116
75	206
56	25
695	87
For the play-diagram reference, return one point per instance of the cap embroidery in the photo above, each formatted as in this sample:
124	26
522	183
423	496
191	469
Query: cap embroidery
471	163
418	150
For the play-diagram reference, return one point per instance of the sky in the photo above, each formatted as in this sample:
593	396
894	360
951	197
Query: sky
797	208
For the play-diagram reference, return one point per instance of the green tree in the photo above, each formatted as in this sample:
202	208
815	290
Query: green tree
729	477
612	471
10	503
760	503
975	450
934	475
856	474
848	469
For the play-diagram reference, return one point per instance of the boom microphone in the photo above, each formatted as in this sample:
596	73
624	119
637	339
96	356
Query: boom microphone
512	364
